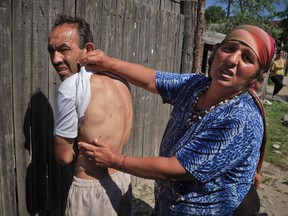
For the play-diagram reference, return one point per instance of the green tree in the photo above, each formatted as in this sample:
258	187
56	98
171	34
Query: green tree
253	8
227	25
214	14
284	25
253	12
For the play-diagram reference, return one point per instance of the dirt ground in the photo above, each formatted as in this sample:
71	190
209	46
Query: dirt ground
273	192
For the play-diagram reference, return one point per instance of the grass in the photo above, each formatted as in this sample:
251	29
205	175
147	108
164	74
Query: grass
277	133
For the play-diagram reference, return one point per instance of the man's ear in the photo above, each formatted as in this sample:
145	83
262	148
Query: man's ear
89	46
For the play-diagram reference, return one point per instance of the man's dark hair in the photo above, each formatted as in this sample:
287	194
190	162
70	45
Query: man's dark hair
81	25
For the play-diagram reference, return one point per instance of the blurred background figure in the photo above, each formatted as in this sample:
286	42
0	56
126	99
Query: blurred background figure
277	73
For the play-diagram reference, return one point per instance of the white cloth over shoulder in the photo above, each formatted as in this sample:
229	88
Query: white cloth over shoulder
72	101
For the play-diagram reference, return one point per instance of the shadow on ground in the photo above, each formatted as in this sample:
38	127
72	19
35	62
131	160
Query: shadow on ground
140	207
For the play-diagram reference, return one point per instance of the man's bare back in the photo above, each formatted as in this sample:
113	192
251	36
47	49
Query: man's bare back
108	117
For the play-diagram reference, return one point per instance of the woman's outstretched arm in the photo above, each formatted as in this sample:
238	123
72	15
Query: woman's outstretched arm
136	74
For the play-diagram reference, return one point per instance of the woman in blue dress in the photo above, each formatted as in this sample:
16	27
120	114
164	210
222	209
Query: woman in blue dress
212	144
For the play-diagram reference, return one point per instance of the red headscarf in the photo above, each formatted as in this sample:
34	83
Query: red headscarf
264	47
258	40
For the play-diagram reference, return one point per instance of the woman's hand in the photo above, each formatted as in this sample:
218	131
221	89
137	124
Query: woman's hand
98	152
97	60
257	180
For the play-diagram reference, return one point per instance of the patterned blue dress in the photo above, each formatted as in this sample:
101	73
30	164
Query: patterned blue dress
221	150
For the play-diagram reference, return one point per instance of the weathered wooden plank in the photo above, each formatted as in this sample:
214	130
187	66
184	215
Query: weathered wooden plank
57	7
120	13
158	41
162	111
152	23
149	118
129	27
165	5
158	65
139	50
8	201
175	6
155	4
91	11
127	53
68	6
138	94
107	29
178	42
22	67
155	137
165	41
166	34
171	37
38	167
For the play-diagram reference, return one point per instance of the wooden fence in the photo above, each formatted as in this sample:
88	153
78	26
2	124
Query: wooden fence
148	32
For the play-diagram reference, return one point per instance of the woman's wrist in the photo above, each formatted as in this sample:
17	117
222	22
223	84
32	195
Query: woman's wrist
118	162
113	160
122	163
115	64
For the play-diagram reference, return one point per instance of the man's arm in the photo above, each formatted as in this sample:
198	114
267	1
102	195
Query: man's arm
63	150
136	74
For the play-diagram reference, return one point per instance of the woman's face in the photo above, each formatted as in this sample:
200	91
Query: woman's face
280	54
234	67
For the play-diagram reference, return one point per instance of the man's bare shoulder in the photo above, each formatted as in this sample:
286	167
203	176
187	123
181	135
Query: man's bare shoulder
112	77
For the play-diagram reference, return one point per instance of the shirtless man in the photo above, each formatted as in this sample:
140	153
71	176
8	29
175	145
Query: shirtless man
106	115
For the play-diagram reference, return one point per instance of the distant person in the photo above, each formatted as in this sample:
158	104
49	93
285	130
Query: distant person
212	149
286	67
89	105
277	73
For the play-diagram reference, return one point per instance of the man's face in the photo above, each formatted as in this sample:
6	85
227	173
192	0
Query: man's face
63	46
